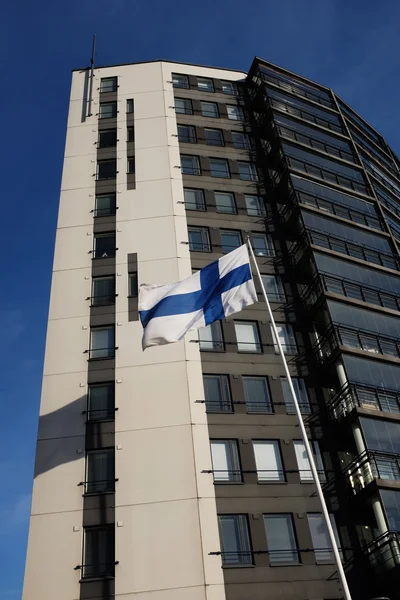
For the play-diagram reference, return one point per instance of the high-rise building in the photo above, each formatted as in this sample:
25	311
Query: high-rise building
179	472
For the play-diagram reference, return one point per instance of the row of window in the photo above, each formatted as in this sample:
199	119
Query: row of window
214	137
102	339
199	241
107	169
218	396
224	202
257	396
204	84
226	463
109	110
281	546
281	539
219	167
184	106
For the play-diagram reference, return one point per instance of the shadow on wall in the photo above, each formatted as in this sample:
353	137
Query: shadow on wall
61	434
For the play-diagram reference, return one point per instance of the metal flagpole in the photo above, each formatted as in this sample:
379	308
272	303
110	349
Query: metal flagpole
307	445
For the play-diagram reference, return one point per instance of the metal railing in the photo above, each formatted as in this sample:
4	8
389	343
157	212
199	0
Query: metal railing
307	140
99	486
326	174
97	569
384	552
344	246
102	300
100	414
104	212
293	89
356	339
383	180
324	282
353	395
101	353
370	465
305	115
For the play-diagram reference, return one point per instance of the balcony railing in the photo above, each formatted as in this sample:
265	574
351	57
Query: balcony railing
313	142
324	282
305	115
355	339
371	465
353	395
327	175
384	552
293	89
342	245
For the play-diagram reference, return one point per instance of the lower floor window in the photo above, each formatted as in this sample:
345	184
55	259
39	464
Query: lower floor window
99	552
281	540
235	540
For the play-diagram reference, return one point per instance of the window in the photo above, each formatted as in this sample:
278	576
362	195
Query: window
108	84
129	106
240	140
106	169
209	109
282	546
219	168
274	287
210	337
225	461
105	205
131	134
247	171
180	81
107	138
199	240
286	338
320	538
225	202
205	85
235	113
103	290
230	240
247	336
267	455
104	245
263	244
255	206
190	165
301	395
256	392
194	199
99	551
100	471
228	87
133	285
214	137
217	393
187	134
304	464
102	342
235	540
131	165
107	110
183	106
101	402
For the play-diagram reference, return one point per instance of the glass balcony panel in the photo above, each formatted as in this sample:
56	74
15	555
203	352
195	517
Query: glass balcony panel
350	339
388	402
388	468
334	286
353	291
388	347
369	343
371	296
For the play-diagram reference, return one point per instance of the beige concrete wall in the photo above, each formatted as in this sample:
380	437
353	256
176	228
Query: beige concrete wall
165	507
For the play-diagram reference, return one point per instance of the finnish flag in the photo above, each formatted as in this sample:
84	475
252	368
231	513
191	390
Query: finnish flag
222	288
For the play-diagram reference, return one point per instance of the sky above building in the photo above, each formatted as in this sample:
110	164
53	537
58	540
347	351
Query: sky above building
351	47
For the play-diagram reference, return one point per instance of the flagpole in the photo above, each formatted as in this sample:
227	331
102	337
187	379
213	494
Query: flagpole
307	445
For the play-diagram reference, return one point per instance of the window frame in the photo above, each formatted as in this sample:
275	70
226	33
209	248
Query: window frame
130	130
306	475
204	113
196	170
108	550
110	349
321	560
210	80
218	344
184	77
109	299
201	204
261	211
298	384
130	106
279	296
133	285
246	145
109	412
257	344
234	92
263	475
190	138
102	235
94	486
101	163
244	538
232	456
230	232
227	171
112	210
226	212
225	404
114	111
270	251
103	132
289	334
252	171
292	537
186	111
130	165
237	108
114	87
205	235
210	143
268	394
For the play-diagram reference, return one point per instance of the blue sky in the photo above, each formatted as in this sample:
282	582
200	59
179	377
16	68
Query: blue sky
350	46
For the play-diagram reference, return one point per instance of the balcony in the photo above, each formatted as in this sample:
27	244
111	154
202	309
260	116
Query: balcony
372	465
384	552
312	142
353	338
353	395
326	283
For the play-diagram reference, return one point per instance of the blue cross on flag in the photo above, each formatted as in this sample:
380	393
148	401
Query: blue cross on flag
222	288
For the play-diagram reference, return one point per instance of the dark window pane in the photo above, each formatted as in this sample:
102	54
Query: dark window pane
105	205
217	393
104	245
235	540
131	166
107	110
131	134
129	106
257	396
194	199
214	137
281	540
106	169
108	84
180	81
100	475
103	292
133	285
102	342
99	552
101	402
107	138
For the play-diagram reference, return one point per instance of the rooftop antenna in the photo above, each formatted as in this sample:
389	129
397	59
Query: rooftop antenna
91	76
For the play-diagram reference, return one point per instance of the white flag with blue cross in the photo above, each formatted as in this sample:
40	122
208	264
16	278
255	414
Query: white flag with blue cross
222	288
